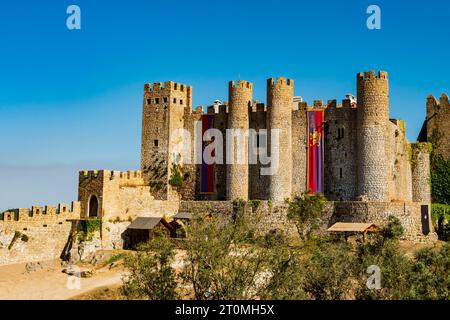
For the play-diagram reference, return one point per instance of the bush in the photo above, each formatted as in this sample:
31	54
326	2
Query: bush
430	274
393	230
441	216
176	177
88	228
328	270
305	211
219	264
151	274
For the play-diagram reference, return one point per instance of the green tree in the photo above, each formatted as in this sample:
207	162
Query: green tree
328	270
151	274
383	250
431	274
222	260
305	212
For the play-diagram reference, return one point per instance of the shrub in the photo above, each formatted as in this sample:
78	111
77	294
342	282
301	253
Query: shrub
393	230
305	211
151	274
441	216
176	177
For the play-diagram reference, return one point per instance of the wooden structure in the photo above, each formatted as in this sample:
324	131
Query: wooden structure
351	227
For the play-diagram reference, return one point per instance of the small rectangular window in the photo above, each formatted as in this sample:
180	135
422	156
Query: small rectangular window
165	99
340	173
149	101
174	100
181	101
156	143
157	100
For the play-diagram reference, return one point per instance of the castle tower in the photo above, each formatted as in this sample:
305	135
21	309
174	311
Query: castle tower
240	100
372	120
163	110
280	97
438	124
420	166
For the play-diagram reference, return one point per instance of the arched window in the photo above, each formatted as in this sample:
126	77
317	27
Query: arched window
93	207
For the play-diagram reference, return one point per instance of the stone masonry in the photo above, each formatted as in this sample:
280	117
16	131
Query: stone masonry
371	170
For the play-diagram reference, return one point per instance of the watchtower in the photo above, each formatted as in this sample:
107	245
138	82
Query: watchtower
163	110
280	94
372	120
240	101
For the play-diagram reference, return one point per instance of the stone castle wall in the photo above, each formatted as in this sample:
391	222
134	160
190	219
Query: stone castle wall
340	151
36	234
409	214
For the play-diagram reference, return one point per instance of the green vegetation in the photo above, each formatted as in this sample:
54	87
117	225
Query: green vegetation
440	172
441	219
151	275
440	210
228	259
305	212
238	206
115	258
254	204
176	177
88	228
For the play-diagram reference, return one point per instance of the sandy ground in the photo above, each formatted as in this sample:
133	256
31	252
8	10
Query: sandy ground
51	283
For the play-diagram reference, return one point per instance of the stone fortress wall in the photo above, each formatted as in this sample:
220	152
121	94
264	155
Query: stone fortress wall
367	155
370	168
36	234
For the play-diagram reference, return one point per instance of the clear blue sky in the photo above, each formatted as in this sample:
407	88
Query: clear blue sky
71	100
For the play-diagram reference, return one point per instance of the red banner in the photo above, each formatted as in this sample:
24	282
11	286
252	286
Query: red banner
207	171
315	151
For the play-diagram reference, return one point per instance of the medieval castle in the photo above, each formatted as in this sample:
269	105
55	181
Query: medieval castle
369	169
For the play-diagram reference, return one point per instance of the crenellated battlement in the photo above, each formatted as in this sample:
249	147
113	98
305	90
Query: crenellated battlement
345	104
369	75
105	175
432	101
167	86
240	84
316	105
43	213
280	81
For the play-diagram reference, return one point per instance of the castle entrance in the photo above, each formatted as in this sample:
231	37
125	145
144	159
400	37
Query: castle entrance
93	207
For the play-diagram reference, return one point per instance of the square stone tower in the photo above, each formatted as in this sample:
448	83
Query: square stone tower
162	114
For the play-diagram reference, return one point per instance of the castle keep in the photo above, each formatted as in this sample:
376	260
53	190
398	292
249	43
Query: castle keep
369	171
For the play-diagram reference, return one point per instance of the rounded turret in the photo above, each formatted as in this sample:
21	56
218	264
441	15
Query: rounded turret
372	121
240	100
420	166
280	97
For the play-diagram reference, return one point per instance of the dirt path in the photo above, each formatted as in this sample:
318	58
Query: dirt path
50	283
